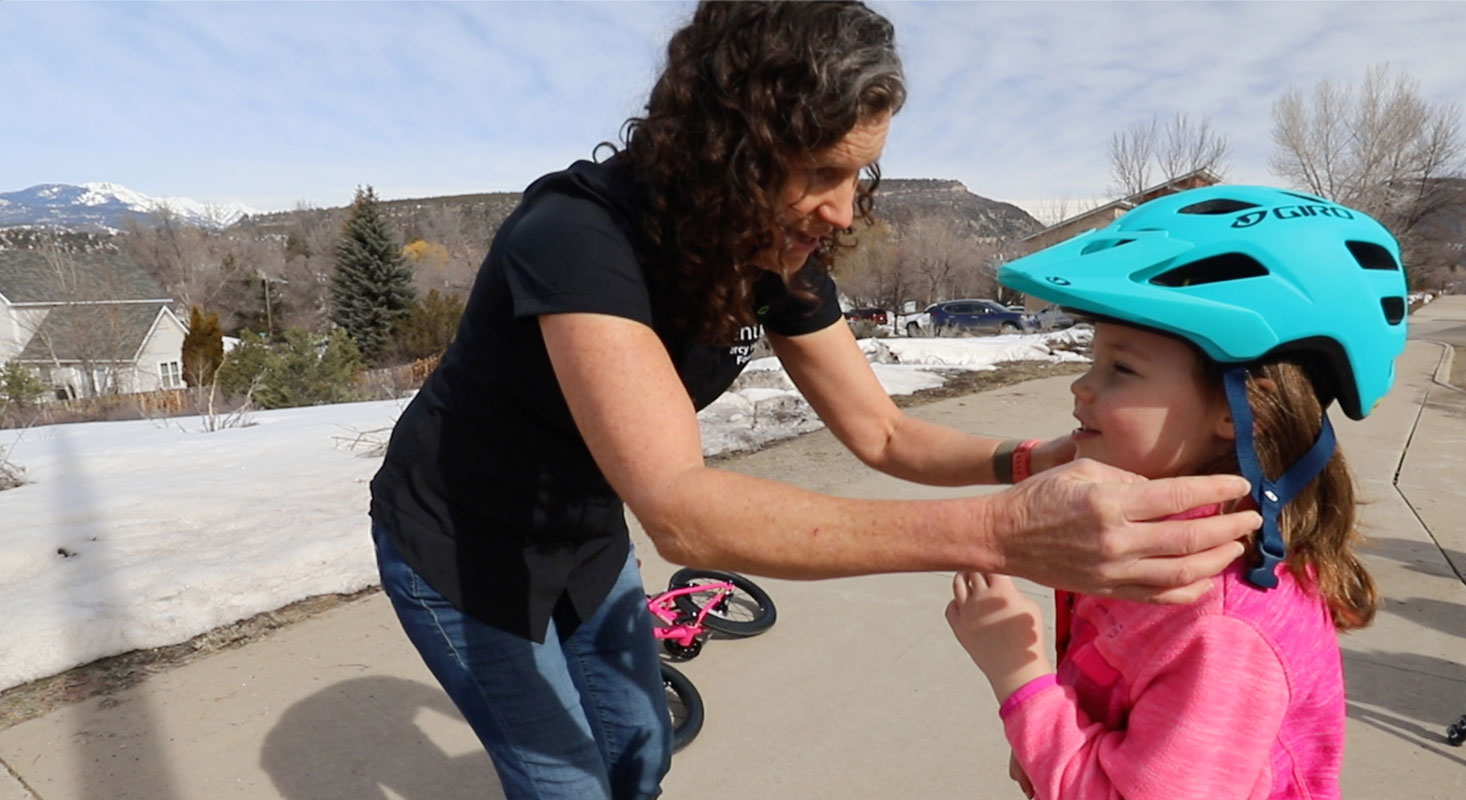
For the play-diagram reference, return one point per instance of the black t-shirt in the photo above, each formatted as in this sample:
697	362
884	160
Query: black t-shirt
487	488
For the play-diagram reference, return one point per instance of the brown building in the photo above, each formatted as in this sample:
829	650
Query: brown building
1105	214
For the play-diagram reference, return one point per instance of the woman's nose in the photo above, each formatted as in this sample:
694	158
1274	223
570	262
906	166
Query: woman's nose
837	208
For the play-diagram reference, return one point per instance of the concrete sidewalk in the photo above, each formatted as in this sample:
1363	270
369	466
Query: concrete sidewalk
858	691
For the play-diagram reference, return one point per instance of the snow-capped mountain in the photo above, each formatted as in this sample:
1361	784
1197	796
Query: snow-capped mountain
104	206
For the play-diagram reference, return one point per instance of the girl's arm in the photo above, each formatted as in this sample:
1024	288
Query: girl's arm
1203	724
638	423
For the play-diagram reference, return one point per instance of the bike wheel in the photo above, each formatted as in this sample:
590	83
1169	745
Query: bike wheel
685	706
746	612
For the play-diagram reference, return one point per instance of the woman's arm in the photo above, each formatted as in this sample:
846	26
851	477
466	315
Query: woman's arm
835	377
641	428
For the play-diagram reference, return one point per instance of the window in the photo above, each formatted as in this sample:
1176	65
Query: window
170	375
104	380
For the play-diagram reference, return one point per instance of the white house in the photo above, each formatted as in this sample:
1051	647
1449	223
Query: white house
89	323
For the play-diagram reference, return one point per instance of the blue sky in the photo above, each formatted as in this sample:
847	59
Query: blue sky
273	104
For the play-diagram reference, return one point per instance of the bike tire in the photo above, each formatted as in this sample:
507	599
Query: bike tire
684	706
750	610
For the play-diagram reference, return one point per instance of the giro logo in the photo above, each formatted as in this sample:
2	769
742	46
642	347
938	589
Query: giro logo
1056	280
1252	218
1249	219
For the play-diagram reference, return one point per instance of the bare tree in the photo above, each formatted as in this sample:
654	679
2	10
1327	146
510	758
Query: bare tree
1132	155
1179	147
872	273
943	261
1053	210
1380	147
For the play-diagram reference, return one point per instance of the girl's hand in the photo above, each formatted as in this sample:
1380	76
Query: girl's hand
1015	771
1060	450
999	628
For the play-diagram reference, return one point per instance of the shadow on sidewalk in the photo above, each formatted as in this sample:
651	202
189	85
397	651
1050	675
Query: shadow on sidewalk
351	739
1393	691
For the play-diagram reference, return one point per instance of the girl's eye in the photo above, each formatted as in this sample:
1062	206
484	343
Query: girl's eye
1124	370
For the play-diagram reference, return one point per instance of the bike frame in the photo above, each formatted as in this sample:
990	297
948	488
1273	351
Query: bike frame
674	623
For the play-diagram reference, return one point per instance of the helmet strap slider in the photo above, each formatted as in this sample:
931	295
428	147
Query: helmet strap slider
1270	496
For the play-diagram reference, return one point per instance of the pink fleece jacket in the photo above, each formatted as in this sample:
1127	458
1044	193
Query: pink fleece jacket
1238	695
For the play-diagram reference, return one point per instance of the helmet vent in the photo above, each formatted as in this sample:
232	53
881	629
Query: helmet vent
1394	308
1310	198
1225	267
1221	205
1103	244
1372	256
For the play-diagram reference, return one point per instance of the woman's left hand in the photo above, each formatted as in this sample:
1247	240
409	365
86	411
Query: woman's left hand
1000	628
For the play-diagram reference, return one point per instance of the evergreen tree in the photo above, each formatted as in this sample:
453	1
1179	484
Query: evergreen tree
430	327
372	286
203	348
20	385
246	365
299	370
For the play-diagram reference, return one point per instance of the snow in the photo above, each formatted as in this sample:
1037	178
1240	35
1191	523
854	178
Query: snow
102	193
146	533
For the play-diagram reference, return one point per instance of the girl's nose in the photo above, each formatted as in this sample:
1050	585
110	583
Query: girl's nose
1080	387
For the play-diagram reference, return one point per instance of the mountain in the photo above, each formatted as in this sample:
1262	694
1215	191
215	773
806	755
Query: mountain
105	207
902	200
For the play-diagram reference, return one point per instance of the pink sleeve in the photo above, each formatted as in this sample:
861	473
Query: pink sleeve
1204	715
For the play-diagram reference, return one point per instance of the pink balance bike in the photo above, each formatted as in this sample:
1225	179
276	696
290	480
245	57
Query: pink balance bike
697	604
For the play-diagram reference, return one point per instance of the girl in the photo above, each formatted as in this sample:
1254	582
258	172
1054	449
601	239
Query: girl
1226	320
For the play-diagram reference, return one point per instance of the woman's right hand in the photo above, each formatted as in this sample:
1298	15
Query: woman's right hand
1092	528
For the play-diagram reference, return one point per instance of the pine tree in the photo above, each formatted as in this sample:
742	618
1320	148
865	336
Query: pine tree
372	285
430	327
203	347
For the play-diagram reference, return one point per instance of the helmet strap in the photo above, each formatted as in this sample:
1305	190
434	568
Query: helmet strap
1270	496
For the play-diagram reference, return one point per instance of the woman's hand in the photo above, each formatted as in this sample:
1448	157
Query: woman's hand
999	628
1096	529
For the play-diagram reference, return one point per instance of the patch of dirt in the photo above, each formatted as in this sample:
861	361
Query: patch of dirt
116	673
113	674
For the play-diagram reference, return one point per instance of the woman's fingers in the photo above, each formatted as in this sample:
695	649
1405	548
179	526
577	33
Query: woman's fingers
1095	529
1162	498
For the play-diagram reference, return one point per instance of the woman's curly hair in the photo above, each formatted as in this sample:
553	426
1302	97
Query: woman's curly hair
751	91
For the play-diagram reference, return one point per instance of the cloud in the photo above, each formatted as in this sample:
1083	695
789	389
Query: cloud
271	103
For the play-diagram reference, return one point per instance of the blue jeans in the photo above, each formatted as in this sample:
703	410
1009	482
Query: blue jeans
582	716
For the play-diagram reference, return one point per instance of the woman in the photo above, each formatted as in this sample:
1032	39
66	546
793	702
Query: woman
622	296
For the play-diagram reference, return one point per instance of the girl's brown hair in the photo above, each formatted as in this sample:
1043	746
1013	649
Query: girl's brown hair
751	91
1319	524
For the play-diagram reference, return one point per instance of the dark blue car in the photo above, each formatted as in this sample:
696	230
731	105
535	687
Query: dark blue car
978	316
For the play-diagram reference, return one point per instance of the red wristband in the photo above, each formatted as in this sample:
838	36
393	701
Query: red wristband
1023	459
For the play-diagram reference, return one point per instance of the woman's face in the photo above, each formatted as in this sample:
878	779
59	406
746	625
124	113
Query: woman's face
1143	406
822	200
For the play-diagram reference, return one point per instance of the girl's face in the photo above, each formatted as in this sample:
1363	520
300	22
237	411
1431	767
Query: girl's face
821	201
1143	406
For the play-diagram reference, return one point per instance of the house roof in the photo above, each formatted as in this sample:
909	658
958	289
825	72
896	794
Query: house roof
102	332
32	276
1200	177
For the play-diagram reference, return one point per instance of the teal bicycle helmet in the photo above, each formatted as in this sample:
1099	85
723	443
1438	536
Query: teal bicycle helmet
1246	273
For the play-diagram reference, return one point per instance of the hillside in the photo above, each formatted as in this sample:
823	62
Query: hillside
898	200
902	200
